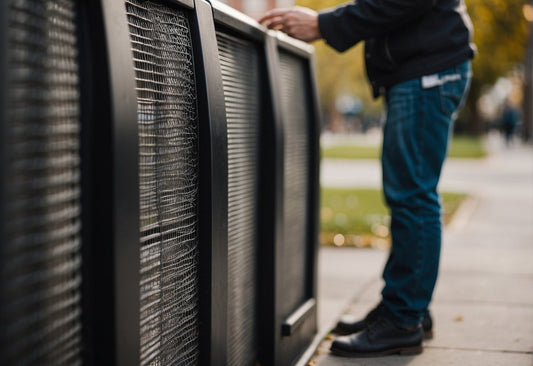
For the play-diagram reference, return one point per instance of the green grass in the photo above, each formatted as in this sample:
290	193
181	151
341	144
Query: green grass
467	147
351	152
359	217
460	147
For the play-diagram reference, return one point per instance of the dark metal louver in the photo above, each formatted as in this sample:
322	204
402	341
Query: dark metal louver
239	61
296	180
168	147
40	247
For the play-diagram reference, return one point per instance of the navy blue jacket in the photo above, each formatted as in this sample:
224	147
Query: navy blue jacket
404	39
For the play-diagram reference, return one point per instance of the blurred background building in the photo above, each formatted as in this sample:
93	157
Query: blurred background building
256	8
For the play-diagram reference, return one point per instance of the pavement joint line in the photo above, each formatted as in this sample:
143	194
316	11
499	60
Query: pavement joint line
486	273
478	350
463	214
483	302
358	296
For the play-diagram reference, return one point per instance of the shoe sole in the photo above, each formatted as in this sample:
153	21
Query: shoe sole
403	351
343	332
428	334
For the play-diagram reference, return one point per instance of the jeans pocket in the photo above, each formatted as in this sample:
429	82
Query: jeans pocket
451	95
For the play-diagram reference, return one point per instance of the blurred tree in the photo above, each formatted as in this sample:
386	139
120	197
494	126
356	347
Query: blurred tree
341	73
500	33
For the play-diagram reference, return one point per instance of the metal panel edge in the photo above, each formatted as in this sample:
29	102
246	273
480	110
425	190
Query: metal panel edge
315	126
213	189
237	21
3	149
293	45
272	334
110	185
308	55
296	319
185	3
126	182
3	95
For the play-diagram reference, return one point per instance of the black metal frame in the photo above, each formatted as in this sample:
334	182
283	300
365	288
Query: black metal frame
306	53
3	87
233	23
274	326
105	23
3	151
299	327
213	189
110	198
110	185
273	227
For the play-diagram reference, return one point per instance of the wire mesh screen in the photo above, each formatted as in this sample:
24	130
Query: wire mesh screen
296	179
168	145
239	60
40	256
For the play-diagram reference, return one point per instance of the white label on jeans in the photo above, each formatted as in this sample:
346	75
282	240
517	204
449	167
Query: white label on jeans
431	81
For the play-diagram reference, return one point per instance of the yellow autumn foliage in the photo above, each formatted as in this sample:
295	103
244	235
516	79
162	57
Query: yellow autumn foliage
500	33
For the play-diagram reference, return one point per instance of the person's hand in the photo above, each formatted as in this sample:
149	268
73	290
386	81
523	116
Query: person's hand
297	22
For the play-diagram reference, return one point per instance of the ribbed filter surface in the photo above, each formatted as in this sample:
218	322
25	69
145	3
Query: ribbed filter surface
168	146
40	256
296	180
239	60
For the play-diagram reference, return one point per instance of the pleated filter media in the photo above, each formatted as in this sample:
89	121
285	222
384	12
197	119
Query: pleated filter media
168	148
40	252
239	60
296	180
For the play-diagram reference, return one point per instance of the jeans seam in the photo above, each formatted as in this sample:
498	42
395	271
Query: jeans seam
420	237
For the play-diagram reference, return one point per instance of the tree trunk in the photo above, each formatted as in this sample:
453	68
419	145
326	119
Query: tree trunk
527	106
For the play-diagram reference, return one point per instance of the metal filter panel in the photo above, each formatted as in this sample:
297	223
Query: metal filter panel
296	180
168	145
239	60
40	258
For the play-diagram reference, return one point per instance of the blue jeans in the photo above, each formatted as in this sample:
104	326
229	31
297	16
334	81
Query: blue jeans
420	116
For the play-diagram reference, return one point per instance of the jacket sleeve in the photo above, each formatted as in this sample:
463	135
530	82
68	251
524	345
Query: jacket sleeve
345	25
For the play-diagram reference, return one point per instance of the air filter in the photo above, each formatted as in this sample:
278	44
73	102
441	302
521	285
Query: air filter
168	147
239	62
296	204
40	247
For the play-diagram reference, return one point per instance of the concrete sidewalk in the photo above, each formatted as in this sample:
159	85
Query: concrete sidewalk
483	303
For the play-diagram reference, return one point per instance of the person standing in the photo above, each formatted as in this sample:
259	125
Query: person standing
510	117
417	56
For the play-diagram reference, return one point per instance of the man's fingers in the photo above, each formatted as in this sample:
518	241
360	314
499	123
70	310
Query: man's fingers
298	22
272	14
274	23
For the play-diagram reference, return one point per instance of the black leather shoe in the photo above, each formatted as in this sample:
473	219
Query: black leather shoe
349	325
427	326
380	338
